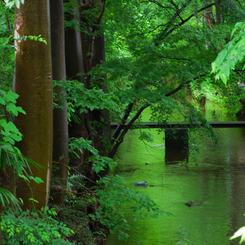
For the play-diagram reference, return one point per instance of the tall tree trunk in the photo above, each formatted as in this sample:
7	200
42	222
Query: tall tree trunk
94	54
102	116
60	124
33	82
74	66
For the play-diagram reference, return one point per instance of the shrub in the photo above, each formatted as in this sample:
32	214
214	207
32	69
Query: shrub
34	228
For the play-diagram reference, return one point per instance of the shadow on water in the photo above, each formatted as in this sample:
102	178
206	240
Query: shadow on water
214	177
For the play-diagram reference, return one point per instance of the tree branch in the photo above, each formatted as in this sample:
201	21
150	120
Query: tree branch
182	84
178	11
101	15
123	120
167	32
156	28
184	21
174	4
120	140
239	3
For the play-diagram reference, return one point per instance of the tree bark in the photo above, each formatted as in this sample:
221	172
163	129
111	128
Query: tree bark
33	82
60	124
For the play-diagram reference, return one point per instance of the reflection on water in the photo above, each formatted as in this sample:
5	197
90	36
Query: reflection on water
215	177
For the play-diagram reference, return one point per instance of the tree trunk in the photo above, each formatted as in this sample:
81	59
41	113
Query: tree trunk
60	124
33	82
74	66
94	54
73	50
102	116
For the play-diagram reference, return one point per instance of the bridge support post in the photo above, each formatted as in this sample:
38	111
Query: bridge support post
176	144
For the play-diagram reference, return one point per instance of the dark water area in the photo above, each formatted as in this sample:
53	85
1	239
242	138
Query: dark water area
213	176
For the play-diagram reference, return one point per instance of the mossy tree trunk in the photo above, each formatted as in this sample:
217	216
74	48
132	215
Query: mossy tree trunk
60	124
33	82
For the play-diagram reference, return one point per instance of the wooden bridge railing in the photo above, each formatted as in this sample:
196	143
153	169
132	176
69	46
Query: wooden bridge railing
231	124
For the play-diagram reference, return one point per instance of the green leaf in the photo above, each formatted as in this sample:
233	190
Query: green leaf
223	78
213	67
10	127
12	108
7	196
9	139
34	200
37	179
240	232
237	25
2	101
23	177
221	57
16	137
10	96
2	122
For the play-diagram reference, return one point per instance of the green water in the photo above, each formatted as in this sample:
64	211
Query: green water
215	177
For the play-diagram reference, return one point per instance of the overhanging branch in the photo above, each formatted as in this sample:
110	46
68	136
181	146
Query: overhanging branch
123	121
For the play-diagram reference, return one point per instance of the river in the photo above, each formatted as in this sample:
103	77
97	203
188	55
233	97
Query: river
213	176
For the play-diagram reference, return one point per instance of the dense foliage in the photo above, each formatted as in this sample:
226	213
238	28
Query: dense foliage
158	54
27	227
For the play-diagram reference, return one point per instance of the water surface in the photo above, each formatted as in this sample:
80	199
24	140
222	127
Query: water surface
213	176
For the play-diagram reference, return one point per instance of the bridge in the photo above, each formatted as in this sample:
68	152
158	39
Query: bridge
176	125
176	135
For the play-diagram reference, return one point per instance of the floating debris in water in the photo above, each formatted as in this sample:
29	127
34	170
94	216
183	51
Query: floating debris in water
192	203
141	183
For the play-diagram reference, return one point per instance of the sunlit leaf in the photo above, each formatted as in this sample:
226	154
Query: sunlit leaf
240	232
237	25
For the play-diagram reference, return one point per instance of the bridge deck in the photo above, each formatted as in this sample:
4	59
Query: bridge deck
232	124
